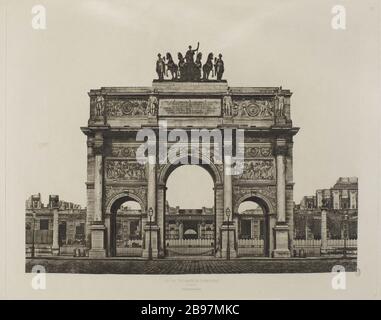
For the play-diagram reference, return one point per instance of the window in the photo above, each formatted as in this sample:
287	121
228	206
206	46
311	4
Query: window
44	224
62	232
80	232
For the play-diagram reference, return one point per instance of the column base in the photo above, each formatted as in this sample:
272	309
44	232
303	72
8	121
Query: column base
281	242
323	250
97	250
97	253
55	251
224	241
154	229
281	253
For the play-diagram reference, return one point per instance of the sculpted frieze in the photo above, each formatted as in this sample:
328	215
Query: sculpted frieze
123	151
258	151
251	108
129	107
263	169
125	170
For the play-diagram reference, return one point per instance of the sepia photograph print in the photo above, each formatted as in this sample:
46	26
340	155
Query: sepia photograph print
190	145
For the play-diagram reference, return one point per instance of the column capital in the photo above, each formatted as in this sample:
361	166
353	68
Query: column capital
98	143
281	149
98	149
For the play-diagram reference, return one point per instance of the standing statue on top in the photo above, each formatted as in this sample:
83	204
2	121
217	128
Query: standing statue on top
189	56
219	67
160	67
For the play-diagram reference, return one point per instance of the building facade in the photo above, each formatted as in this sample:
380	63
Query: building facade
57	228
339	206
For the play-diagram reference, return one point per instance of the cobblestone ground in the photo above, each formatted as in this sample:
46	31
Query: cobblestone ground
61	265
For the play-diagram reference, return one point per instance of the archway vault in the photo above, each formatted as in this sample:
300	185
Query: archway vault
259	198
206	163
117	200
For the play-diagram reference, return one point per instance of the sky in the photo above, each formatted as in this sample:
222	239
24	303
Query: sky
333	75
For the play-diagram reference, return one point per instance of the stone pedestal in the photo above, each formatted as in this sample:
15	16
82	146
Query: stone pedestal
154	231
281	241
225	230
97	250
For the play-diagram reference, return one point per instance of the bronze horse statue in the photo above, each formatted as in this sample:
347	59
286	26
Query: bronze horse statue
198	66
171	66
181	66
207	67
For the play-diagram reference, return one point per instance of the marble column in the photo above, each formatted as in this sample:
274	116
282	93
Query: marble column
281	188
228	190
228	228
324	241
281	228
152	229
151	189
97	226
55	246
181	231
98	187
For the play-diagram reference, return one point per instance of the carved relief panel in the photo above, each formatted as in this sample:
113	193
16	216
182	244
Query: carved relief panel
252	108
259	163
131	107
124	170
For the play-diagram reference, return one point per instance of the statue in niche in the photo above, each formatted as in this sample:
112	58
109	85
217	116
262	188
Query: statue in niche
227	105
99	105
153	103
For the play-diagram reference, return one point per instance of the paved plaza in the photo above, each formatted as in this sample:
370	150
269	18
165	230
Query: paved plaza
189	266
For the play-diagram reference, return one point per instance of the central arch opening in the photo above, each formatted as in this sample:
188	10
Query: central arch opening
190	212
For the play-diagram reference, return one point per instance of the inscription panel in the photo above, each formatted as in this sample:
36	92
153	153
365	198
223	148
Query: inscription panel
190	107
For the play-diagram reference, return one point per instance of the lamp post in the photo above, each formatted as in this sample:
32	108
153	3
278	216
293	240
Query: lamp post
150	214
228	239
345	233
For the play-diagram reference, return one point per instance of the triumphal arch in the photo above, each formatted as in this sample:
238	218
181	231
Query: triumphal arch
116	174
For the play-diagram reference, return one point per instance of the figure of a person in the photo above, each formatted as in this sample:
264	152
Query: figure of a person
189	56
160	67
220	68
